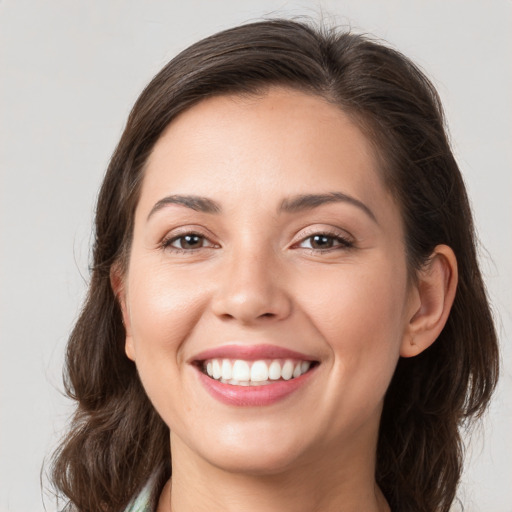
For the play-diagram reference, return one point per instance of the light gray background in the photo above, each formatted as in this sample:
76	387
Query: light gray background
69	73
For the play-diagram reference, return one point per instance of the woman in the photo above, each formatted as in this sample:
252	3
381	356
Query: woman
285	293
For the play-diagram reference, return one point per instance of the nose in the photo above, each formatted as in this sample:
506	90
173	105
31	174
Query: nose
252	289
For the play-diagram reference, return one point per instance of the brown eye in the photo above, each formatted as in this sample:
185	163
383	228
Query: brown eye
190	241
323	241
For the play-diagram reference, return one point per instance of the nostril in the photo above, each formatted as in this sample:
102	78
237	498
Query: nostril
227	316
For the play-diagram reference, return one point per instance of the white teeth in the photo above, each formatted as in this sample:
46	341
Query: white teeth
259	371
217	373
227	371
241	370
287	371
274	370
249	373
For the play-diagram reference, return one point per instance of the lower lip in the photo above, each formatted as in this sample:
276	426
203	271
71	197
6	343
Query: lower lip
253	396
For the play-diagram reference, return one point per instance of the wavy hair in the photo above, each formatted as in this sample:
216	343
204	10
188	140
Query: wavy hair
116	439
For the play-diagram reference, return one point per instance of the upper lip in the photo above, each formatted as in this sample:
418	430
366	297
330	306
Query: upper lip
250	353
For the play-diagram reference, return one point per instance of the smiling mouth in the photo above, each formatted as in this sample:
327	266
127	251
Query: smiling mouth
240	372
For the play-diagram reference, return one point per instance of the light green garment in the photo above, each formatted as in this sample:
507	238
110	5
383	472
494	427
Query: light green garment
142	502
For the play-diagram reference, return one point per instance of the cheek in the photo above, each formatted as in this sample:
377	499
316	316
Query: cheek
163	307
359	311
359	315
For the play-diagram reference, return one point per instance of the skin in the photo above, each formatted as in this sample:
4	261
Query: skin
256	277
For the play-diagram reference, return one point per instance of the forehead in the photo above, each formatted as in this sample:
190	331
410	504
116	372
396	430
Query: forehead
259	147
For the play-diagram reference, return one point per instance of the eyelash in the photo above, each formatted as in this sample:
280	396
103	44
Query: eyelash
167	242
343	242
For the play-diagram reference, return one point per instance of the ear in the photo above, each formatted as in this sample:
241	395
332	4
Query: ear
117	282
434	293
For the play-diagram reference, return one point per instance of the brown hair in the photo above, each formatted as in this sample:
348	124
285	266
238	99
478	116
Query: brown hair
117	440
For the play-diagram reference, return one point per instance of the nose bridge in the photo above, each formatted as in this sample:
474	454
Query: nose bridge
250	287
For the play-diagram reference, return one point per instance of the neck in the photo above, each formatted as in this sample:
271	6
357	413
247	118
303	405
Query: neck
329	484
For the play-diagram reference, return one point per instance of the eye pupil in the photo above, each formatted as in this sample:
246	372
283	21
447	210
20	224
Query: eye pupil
191	241
321	241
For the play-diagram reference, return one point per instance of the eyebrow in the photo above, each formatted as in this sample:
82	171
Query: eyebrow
197	203
289	205
310	201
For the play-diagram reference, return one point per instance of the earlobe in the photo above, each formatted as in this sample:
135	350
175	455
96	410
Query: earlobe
117	282
435	288
128	348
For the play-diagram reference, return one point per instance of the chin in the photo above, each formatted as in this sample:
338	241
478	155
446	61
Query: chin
254	453
256	462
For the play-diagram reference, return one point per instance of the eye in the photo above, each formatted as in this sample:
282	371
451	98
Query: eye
325	242
187	242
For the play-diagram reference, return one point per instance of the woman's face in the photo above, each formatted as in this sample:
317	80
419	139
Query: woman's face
268	253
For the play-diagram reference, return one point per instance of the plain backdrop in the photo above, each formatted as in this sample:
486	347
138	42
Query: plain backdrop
69	73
